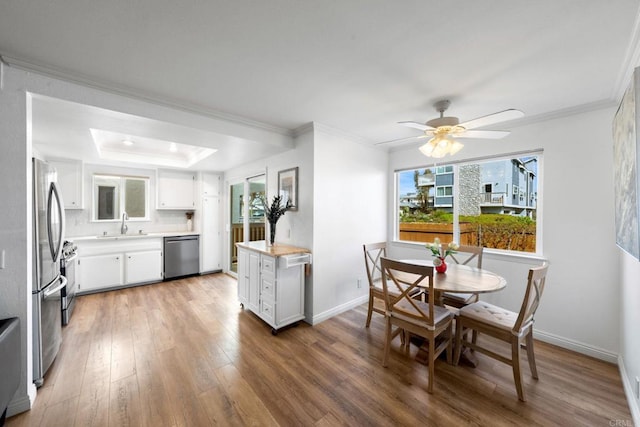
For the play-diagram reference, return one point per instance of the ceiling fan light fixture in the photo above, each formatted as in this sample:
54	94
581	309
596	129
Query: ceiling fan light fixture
455	147
427	149
441	145
442	130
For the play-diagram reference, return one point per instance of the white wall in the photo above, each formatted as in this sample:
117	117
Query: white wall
350	209
580	307
15	227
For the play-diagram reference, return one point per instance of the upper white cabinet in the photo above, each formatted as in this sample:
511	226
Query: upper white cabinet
70	182
176	190
210	184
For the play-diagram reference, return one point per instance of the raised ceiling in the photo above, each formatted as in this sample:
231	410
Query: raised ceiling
358	66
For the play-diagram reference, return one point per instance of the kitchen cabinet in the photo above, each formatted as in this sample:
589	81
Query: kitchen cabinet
142	267
70	182
210	235
175	190
107	264
210	184
271	282
100	272
249	279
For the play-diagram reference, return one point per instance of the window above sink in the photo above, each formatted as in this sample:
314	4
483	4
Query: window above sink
113	195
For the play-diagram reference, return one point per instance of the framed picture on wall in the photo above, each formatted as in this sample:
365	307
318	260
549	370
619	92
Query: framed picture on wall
626	156
288	186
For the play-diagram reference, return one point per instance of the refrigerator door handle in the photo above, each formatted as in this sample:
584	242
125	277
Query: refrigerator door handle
49	292
55	247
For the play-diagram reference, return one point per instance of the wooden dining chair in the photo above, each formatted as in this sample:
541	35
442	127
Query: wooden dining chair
373	252
424	319
466	255
505	325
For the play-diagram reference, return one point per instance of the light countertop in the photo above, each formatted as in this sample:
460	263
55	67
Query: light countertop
277	249
131	236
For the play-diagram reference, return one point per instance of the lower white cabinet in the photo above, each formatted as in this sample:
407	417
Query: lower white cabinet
143	267
271	282
99	272
105	264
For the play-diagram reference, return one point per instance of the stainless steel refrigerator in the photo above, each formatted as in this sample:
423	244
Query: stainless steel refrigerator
48	237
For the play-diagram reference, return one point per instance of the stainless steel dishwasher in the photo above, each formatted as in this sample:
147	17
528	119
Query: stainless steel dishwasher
181	256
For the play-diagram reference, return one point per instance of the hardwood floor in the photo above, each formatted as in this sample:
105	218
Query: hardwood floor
183	353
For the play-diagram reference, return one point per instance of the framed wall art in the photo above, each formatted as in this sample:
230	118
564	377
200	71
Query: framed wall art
626	156
288	186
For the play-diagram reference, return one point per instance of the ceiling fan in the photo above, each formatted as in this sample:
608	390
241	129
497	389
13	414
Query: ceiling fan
444	130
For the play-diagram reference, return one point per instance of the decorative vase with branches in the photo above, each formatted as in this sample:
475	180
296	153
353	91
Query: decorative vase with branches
273	213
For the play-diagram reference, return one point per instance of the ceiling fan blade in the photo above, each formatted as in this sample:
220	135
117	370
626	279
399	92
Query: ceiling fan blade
483	134
401	140
415	125
501	116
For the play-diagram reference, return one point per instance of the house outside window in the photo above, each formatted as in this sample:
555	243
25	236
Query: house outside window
477	195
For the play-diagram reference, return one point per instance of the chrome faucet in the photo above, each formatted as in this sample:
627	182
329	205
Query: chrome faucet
123	227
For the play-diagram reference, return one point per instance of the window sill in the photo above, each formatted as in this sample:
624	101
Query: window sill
488	253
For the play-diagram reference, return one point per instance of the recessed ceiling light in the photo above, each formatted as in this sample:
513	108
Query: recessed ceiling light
113	146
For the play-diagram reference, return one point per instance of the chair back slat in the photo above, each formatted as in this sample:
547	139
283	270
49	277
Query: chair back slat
535	287
372	254
406	277
466	253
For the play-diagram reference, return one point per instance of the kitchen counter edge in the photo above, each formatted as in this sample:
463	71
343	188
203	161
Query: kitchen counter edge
277	249
131	236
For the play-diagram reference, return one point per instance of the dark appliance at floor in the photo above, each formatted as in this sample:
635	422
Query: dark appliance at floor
181	256
68	270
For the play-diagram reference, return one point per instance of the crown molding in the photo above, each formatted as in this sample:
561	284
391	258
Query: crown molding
329	130
136	94
630	62
301	130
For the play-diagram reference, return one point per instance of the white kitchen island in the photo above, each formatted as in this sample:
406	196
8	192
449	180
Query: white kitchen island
271	281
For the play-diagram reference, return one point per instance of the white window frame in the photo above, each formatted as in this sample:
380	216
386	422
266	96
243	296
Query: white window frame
121	195
539	154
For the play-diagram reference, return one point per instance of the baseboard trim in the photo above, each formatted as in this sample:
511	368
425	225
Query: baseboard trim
628	391
547	337
321	317
576	346
20	404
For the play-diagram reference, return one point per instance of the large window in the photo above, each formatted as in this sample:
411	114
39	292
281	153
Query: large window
115	195
491	203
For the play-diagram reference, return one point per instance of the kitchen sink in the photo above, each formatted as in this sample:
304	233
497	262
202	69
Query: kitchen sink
121	236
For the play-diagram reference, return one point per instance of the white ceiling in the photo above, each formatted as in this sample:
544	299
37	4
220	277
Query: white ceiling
356	65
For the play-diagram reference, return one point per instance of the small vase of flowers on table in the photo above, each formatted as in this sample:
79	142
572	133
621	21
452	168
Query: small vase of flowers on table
273	214
440	253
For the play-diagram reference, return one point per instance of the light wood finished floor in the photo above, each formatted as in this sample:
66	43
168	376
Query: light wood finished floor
183	353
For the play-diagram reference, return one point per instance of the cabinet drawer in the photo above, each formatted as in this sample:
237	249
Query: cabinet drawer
267	287
267	311
268	264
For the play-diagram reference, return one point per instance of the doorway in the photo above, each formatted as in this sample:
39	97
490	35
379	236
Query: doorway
247	214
